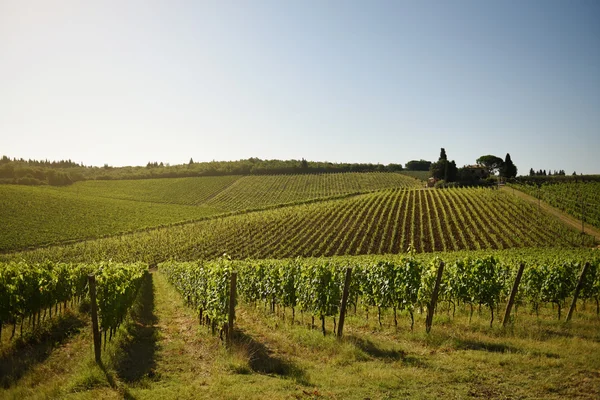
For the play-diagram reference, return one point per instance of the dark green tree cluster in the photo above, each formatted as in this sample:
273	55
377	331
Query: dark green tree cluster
418	165
506	168
491	163
444	169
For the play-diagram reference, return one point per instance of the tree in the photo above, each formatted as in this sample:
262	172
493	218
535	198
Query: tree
191	161
420	165
492	163
443	154
445	170
304	164
508	170
531	172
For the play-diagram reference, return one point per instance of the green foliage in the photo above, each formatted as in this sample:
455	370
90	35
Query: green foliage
420	165
445	170
559	282
204	285
508	169
402	283
26	289
491	162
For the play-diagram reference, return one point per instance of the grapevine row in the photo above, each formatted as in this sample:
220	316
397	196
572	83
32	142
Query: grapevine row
405	283
28	289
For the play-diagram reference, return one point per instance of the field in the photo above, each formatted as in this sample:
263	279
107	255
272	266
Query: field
376	223
35	216
290	238
235	193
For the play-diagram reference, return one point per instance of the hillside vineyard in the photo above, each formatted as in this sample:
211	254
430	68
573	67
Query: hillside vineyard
383	222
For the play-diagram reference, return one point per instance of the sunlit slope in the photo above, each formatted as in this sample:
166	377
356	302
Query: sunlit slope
235	193
376	223
32	216
186	191
251	192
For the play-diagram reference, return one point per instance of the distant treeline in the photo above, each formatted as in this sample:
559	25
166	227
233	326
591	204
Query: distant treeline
59	173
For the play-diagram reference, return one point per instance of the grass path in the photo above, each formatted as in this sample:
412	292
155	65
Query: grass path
43	364
564	217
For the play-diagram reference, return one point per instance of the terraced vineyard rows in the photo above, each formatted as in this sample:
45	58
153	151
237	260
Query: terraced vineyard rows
377	223
252	192
580	199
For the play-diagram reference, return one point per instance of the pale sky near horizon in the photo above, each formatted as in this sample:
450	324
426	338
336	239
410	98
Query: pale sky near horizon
127	82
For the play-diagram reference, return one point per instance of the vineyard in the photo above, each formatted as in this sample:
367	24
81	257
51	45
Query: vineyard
235	193
580	199
290	261
251	192
315	287
34	216
384	222
27	290
182	191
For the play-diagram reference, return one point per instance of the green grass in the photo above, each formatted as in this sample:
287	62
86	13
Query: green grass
162	353
34	216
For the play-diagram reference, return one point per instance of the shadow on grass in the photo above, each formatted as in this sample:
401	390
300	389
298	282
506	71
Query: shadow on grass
374	351
35	348
262	359
135	357
113	384
465	344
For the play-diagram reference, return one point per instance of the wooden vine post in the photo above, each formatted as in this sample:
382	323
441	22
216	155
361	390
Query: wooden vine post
95	329
577	290
513	294
344	302
434	296
231	316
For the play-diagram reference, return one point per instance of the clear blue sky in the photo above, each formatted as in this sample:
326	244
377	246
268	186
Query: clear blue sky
127	82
